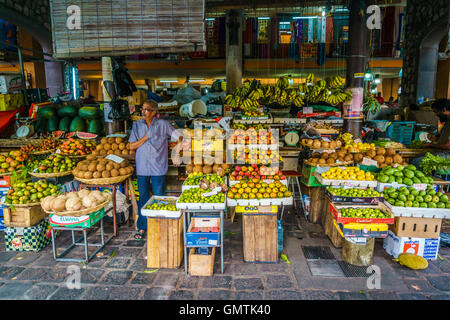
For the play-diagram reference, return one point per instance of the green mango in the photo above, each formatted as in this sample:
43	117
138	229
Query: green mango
399	203
389	190
402	197
411	167
389	171
432	205
422	193
398	174
423	205
408	173
447	205
410	197
435	199
416	204
414	192
399	180
391	179
419	198
441	205
394	195
443	198
408	181
416	180
428	198
383	178
431	192
408	204
419	174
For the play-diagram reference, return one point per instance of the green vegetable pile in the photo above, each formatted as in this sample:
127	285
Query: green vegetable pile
194	180
353	192
366	213
410	197
431	163
408	175
195	195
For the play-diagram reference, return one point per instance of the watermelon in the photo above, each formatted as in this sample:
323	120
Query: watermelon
52	124
67	111
77	124
90	113
64	124
46	112
95	126
57	134
86	135
70	135
40	125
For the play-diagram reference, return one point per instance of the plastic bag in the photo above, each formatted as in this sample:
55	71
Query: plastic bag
187	94
119	110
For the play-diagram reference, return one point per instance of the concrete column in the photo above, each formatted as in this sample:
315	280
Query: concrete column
356	65
234	48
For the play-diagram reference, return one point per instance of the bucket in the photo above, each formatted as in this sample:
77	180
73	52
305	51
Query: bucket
193	108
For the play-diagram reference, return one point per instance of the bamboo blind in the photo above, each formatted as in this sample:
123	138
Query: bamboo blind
121	27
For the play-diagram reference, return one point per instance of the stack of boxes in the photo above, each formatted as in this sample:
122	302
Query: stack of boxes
11	101
10	96
202	238
415	234
25	228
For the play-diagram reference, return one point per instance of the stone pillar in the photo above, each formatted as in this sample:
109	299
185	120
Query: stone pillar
234	48
422	17
356	65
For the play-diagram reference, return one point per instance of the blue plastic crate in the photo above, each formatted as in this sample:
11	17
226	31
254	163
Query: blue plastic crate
401	131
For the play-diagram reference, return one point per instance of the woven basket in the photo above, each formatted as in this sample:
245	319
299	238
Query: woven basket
342	164
10	173
104	180
36	153
50	175
82	212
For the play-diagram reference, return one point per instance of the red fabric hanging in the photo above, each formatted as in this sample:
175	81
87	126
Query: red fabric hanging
330	35
387	32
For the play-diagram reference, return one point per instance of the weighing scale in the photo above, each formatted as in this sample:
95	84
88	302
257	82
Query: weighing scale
291	138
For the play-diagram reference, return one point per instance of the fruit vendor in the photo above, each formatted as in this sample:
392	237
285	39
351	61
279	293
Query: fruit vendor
441	108
149	137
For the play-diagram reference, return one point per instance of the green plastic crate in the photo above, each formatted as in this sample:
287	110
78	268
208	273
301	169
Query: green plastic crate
308	177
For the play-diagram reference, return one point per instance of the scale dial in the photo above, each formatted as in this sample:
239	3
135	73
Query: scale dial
291	138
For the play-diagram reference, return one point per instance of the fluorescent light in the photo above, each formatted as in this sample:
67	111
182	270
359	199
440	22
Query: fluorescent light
377	79
168	80
285	23
196	80
263	18
74	84
323	13
210	19
341	10
307	17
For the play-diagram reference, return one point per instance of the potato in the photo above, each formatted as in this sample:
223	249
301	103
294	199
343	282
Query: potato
325	155
322	161
348	157
381	151
398	158
380	159
388	160
331	161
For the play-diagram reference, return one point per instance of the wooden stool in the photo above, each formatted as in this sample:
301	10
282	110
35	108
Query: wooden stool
292	178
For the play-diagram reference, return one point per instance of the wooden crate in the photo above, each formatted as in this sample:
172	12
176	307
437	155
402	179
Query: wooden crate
201	264
23	216
317	203
260	237
164	242
329	227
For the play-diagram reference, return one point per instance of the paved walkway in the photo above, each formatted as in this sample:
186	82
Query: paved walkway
125	276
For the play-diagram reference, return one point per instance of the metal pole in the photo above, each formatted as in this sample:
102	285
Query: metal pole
22	74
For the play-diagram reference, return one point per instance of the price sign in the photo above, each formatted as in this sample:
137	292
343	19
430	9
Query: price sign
369	162
213	192
58	151
307	110
326	139
358	141
420	186
114	158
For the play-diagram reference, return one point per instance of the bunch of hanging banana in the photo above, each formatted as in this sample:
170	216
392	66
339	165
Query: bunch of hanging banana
335	81
292	93
339	95
282	82
249	104
256	94
321	84
299	101
310	78
303	88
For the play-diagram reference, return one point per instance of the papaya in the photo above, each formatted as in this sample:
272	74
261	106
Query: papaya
412	261
64	124
77	124
90	112
46	112
67	111
52	124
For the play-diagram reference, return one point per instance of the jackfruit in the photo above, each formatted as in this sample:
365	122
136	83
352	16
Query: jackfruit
412	261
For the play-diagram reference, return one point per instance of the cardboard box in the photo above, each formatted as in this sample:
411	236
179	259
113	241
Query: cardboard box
203	238
366	230
424	247
33	238
417	227
85	221
335	211
10	83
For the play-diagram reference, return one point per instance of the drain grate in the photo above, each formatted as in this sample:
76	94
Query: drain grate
325	268
351	271
317	252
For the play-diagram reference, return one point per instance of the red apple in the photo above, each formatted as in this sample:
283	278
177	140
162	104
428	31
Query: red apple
283	177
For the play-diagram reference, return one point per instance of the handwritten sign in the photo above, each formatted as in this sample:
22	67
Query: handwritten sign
114	158
307	110
369	162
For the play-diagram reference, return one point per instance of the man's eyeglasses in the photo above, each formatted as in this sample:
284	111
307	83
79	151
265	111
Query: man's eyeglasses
148	110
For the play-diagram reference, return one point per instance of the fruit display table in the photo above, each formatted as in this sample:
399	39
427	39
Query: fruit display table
70	224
